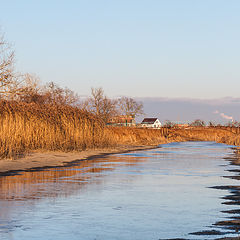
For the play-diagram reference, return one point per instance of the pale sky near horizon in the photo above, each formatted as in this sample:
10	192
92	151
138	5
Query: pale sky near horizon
139	48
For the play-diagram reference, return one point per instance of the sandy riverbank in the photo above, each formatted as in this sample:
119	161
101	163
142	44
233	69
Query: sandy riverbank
40	160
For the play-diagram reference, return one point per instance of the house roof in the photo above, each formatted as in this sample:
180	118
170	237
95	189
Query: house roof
149	120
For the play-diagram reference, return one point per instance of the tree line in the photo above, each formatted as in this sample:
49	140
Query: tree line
27	88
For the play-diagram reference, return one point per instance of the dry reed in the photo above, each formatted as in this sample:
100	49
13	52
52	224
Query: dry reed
227	135
137	136
25	127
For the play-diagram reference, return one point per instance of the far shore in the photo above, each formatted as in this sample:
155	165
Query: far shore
35	161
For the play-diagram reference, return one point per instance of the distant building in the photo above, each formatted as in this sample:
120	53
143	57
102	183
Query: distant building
122	120
151	123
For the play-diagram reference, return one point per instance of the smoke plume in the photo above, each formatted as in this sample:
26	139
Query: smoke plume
223	115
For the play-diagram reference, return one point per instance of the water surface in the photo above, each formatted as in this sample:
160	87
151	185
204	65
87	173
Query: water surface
163	193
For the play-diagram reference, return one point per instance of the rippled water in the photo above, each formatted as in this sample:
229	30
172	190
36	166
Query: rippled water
153	194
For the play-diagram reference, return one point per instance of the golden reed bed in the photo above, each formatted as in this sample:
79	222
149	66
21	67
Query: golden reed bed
27	127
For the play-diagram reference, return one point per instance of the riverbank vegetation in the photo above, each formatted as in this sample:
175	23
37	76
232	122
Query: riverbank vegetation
28	126
220	134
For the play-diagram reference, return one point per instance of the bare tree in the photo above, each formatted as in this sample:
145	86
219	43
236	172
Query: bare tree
108	109
130	107
30	89
8	82
101	105
96	100
57	95
198	123
212	124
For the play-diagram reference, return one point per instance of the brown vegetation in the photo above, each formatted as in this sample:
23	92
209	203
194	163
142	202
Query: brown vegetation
227	135
25	127
143	136
137	136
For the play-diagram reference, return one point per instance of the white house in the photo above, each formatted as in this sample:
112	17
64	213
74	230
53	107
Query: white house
151	123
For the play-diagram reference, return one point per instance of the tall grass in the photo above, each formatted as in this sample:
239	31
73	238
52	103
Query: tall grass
227	135
137	136
25	127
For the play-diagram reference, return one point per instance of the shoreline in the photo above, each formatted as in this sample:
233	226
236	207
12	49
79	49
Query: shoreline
37	161
40	160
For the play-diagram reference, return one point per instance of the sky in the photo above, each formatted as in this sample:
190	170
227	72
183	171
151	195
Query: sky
186	110
138	48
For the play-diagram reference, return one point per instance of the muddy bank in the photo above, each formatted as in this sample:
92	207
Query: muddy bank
39	160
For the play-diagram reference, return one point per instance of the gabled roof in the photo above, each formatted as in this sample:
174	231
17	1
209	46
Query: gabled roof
149	120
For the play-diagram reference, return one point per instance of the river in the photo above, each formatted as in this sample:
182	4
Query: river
174	191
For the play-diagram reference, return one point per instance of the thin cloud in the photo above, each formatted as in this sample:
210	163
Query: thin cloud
223	115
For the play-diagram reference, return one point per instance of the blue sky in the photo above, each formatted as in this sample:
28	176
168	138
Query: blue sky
150	48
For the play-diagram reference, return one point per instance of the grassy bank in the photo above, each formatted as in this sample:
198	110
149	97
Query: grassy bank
27	127
227	135
136	136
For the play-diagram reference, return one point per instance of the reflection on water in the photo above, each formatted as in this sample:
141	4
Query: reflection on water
153	194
